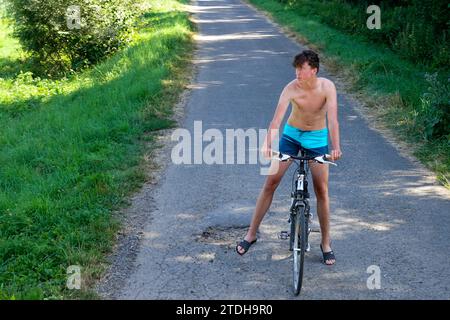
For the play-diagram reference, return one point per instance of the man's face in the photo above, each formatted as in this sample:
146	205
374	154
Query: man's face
305	72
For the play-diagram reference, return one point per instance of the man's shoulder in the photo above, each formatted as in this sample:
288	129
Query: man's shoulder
290	88
291	85
327	83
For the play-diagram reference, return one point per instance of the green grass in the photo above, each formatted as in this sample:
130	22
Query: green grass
391	86
71	150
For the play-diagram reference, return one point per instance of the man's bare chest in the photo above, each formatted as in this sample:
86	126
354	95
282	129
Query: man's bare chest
309	102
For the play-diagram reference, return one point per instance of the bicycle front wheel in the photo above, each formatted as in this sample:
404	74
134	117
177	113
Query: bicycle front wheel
299	247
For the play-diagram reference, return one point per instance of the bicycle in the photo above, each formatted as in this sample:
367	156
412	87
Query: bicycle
300	215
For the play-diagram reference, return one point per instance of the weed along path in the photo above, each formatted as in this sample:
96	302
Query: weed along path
389	219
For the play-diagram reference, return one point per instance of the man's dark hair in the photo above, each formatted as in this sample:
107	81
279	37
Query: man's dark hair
306	56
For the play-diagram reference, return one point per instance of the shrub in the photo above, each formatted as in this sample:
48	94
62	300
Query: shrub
60	44
433	114
415	29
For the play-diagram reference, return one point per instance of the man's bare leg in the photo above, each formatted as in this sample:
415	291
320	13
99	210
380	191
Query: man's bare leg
320	181
265	198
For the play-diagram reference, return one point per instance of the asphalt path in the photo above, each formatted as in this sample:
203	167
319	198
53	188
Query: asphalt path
387	212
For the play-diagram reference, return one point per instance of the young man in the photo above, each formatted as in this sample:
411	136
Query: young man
313	100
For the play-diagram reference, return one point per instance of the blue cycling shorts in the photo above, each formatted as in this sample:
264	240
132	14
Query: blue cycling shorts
315	142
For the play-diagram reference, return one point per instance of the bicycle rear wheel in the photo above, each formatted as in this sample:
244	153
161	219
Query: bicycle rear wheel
299	247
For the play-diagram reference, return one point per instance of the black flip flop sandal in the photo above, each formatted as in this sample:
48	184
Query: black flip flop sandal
244	244
328	256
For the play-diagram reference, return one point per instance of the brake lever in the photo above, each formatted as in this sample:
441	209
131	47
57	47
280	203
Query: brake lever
321	159
283	158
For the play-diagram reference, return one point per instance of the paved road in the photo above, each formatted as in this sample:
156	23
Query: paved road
386	211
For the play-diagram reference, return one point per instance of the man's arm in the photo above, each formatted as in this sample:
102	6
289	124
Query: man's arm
333	124
278	116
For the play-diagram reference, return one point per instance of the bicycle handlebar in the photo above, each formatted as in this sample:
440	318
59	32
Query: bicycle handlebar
320	159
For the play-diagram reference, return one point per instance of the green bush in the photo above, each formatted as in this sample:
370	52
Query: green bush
59	43
417	30
433	114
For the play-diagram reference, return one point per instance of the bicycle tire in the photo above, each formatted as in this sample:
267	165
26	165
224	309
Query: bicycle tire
299	247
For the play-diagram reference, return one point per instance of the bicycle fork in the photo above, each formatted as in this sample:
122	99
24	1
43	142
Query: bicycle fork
284	235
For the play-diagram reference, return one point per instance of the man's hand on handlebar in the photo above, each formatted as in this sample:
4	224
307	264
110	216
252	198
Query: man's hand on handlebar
266	152
336	154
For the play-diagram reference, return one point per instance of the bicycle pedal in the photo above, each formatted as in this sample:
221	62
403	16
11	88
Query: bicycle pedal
283	235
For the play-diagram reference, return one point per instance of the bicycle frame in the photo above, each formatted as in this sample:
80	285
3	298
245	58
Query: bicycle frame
299	194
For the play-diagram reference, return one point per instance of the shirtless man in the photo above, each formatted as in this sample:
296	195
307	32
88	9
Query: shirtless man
313	100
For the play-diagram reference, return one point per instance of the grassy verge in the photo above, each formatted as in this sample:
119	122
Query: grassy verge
396	90
71	150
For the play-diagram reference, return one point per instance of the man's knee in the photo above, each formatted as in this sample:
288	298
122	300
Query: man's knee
271	184
321	190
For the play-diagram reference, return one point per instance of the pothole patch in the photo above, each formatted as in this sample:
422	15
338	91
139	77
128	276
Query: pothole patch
221	236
